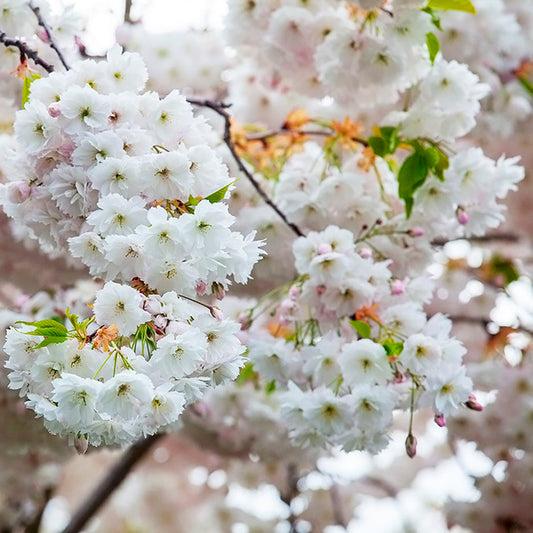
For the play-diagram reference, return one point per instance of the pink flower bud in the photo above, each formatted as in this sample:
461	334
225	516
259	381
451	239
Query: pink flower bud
43	35
160	321
218	290
320	290
54	110
365	253
294	292
410	445
324	248
440	420
462	216
473	404
201	288
397	287
216	312
416	231
244	321
176	328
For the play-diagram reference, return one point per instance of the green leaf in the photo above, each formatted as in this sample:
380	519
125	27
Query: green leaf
452	5
50	340
247	373
192	200
442	165
435	19
504	267
270	387
361	327
378	145
26	87
54	332
386	143
526	84
393	348
433	46
412	175
218	196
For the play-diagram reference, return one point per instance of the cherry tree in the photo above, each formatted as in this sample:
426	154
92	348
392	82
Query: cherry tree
283	242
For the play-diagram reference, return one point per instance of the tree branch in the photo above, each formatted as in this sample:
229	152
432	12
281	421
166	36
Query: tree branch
44	26
322	133
109	484
127	12
220	109
25	51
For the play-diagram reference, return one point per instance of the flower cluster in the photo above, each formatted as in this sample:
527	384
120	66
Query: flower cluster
128	183
340	379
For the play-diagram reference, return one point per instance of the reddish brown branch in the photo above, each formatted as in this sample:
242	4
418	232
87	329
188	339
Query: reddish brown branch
25	51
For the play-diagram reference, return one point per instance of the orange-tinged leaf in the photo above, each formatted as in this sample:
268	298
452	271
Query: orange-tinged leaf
104	336
296	119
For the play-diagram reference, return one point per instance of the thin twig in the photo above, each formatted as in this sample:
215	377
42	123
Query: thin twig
220	109
109	484
51	42
127	12
25	51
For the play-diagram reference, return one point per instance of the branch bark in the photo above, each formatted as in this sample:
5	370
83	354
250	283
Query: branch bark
110	483
37	11
220	109
25	51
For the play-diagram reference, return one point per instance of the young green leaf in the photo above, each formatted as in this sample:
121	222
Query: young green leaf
218	196
361	327
412	175
26	87
435	19
270	387
433	46
453	5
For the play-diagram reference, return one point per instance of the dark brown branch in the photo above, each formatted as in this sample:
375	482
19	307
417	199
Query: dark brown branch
37	11
109	484
220	109
25	51
127	12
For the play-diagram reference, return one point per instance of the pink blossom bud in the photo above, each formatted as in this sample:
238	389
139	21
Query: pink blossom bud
216	312
43	35
294	292
365	253
218	291
440	420
473	404
397	287
416	231
54	110
410	445
320	290
152	305
324	248
244	321
201	288
462	216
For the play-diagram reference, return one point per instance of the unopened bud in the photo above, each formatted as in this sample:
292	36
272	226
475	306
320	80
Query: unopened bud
294	292
473	404
416	231
218	291
397	287
440	420
410	445
216	312
365	253
320	290
201	287
81	444
54	110
462	216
